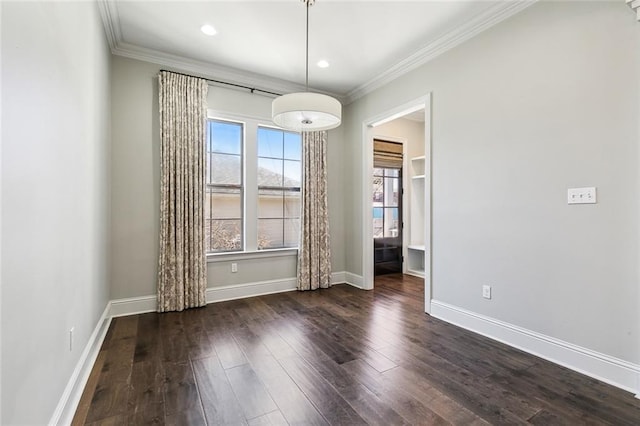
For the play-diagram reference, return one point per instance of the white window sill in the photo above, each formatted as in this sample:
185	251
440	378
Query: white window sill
245	255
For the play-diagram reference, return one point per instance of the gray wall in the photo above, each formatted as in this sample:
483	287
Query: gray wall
55	198
409	130
544	101
135	184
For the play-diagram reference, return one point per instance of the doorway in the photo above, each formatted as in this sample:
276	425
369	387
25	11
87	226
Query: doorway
387	215
416	174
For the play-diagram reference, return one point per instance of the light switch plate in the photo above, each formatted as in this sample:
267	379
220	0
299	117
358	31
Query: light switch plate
581	195
486	291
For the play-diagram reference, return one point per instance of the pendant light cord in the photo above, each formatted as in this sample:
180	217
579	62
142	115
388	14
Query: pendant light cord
307	47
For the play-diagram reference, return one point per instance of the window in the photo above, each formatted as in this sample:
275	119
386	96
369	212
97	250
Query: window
253	186
386	206
224	191
279	176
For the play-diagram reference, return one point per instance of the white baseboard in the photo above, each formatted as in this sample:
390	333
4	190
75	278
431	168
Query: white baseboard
616	372
66	408
354	280
240	291
143	304
338	278
133	306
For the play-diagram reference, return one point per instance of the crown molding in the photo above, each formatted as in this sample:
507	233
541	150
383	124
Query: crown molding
211	70
447	41
111	22
487	19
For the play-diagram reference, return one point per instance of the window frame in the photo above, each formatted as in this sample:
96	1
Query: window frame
240	187
284	189
249	165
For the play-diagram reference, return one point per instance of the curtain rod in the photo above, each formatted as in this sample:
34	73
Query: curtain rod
240	86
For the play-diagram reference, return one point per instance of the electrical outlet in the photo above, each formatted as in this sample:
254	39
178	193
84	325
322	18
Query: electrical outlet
486	291
234	267
581	195
71	339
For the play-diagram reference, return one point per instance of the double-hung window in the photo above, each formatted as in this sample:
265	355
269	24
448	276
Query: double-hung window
253	186
224	191
279	177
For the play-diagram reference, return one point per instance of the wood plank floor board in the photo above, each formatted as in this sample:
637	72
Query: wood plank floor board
252	395
599	392
497	354
480	396
272	418
179	388
147	344
581	394
357	343
111	395
373	409
191	417
125	327
173	344
307	350
117	420
250	343
200	345
258	311
219	402
413	408
80	416
146	392
338	356
292	402
120	359
437	401
545	391
227	349
491	405
320	392
151	416
272	340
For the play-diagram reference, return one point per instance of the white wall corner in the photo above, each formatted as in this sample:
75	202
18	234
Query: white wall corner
611	370
66	408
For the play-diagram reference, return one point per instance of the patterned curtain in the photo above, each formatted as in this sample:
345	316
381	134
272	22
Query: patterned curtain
314	254
182	262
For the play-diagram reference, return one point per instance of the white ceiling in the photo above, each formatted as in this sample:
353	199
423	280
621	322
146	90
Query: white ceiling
262	43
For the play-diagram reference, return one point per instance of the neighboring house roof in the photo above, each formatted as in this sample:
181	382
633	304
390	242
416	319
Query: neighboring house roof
226	169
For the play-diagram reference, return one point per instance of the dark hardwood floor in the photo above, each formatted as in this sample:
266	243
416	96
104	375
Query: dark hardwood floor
340	356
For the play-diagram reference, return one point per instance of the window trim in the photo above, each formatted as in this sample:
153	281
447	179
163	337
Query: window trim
241	187
249	250
227	256
284	189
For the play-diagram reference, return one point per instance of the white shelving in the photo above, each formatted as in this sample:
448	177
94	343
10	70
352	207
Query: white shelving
416	246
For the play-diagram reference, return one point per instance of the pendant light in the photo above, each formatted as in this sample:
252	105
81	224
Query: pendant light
306	111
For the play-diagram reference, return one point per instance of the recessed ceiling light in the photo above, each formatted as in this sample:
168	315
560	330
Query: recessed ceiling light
323	64
208	30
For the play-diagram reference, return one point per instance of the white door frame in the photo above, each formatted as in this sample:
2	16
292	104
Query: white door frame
368	133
